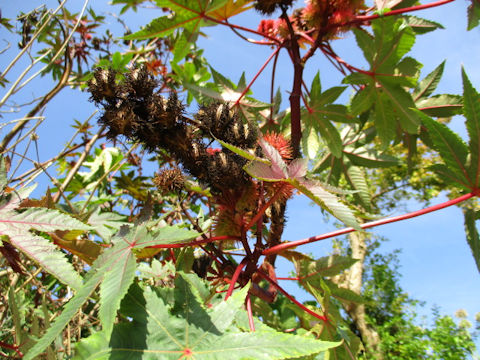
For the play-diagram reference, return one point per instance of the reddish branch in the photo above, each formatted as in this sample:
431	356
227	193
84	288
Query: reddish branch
290	297
272	55
287	245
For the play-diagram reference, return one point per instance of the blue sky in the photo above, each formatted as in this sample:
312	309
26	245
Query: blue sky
437	265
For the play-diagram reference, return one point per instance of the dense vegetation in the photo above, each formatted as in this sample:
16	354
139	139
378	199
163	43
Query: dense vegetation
159	225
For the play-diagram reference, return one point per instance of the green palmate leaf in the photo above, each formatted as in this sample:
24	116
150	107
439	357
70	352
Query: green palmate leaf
315	191
402	104
106	224
448	176
363	100
428	85
324	266
17	227
187	14
343	294
384	118
473	237
473	13
193	332
392	41
329	134
369	158
422	26
444	105
122	264
471	109
450	146
310	142
366	42
357	178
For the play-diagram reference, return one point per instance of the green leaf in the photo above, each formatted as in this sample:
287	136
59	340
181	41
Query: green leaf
243	153
471	109
403	105
428	85
189	15
444	105
422	26
370	158
194	332
105	224
473	238
343	294
17	227
473	13
366	42
329	134
317	192
449	145
357	178
362	100
384	118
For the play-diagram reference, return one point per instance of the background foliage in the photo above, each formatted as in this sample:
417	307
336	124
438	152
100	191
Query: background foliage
159	232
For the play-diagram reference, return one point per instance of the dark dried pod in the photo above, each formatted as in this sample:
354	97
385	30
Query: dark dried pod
267	7
103	86
170	180
139	83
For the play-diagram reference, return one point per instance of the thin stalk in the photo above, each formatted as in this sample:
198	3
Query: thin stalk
104	176
256	76
290	297
248	305
235	276
34	37
287	245
359	19
78	164
264	208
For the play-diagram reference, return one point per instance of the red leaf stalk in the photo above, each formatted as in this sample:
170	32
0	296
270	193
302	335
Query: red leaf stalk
290	297
272	55
248	305
287	245
235	276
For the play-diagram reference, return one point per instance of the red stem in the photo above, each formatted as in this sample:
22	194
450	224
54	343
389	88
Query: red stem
290	297
264	208
11	347
248	304
193	243
287	245
396	12
235	276
256	76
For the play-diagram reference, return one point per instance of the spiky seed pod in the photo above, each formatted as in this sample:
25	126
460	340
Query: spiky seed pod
282	145
223	123
235	209
267	7
102	86
139	83
170	180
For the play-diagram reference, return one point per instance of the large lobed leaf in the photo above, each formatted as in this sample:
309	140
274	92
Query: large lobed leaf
189	15
471	110
158	332
473	237
451	148
17	226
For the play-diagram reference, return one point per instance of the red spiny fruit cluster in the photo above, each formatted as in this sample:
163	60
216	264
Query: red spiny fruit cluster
326	17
